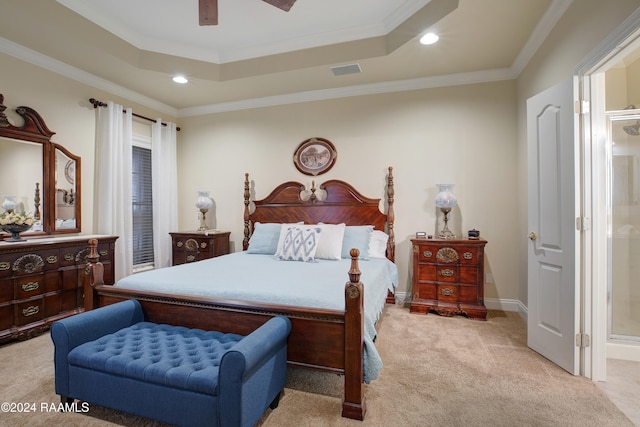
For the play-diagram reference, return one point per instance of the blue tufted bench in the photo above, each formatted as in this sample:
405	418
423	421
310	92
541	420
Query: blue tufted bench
112	357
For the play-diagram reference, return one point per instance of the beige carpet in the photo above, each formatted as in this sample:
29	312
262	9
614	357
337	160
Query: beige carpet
438	372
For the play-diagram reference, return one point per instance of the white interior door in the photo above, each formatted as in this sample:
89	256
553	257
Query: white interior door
552	304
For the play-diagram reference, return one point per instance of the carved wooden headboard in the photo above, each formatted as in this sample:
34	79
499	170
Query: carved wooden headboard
337	202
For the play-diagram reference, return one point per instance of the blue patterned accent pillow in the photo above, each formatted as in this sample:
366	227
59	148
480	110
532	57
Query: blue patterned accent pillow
298	243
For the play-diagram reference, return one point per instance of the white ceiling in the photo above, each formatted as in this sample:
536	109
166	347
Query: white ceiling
260	55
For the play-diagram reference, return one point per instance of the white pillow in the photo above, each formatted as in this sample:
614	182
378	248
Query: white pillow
378	244
298	243
330	244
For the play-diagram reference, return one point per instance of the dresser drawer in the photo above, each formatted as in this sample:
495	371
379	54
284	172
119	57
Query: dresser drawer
468	255
447	274
469	275
427	253
425	291
7	291
426	272
29	311
468	294
29	286
447	293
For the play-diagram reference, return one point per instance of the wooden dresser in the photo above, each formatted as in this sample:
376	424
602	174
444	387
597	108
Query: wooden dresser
448	277
41	281
191	246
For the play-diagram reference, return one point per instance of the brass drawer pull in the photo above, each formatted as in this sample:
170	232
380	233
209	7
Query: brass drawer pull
52	259
427	254
30	286
447	292
468	255
179	243
203	245
103	252
4	266
191	258
68	257
447	272
31	311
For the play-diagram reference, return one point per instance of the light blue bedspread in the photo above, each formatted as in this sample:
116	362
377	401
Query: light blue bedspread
262	278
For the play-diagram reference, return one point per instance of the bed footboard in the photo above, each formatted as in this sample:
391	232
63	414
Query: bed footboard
313	337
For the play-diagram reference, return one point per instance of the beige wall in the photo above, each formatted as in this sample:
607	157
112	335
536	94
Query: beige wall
463	135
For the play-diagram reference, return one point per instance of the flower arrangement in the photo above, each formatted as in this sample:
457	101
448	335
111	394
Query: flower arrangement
18	218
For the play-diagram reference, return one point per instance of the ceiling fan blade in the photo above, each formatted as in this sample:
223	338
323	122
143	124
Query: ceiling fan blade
208	12
281	4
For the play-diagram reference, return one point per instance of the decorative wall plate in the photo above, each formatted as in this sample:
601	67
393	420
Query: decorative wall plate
315	156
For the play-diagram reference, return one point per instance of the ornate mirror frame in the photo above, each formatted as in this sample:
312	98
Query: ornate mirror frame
34	129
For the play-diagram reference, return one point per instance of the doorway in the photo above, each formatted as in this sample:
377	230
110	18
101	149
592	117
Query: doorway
609	84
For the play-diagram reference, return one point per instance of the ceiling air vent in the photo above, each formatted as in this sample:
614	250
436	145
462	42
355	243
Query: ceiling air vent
346	69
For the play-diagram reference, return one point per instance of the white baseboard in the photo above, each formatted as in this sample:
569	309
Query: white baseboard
490	303
629	351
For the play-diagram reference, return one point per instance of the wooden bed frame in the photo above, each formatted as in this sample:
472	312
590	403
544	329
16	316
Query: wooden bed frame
328	340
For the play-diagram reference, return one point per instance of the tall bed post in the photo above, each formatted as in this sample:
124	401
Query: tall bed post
247	224
94	270
353	404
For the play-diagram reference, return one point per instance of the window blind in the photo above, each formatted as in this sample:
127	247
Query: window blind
142	205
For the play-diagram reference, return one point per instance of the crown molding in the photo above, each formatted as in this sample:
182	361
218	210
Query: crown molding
43	61
351	91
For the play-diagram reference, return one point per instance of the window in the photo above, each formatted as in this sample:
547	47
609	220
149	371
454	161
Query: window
142	205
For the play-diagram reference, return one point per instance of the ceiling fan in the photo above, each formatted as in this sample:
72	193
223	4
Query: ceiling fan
209	9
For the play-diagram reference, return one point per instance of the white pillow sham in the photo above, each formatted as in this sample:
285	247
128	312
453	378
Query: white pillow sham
330	244
378	244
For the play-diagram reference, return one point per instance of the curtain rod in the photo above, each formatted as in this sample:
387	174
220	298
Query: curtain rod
97	104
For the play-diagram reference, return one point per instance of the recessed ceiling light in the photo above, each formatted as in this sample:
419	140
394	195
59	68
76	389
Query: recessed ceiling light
429	38
180	79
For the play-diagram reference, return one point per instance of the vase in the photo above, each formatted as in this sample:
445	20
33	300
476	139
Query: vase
445	200
9	203
15	230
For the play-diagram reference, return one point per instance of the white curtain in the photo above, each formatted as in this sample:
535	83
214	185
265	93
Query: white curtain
164	176
113	213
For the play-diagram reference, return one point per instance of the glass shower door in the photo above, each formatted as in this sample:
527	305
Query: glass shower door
624	227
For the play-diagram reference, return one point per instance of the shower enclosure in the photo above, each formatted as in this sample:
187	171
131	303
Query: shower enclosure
624	226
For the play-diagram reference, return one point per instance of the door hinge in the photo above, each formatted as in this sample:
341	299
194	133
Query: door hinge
583	340
583	223
582	107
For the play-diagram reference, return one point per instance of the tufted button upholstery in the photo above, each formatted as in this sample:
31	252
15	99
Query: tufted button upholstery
168	355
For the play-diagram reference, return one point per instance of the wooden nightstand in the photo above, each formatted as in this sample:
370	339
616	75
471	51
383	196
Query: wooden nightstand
448	277
191	246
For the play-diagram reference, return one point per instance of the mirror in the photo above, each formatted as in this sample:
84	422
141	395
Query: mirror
20	173
66	190
43	176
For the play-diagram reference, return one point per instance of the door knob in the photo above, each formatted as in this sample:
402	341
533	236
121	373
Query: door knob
532	236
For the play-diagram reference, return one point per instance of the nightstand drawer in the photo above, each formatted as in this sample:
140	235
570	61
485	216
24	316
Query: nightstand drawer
447	293
447	274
